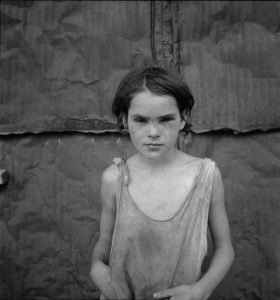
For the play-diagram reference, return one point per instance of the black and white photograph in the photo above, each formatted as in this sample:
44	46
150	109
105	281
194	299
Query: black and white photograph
139	150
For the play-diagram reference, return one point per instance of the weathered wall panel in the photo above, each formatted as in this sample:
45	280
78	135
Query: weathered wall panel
230	56
50	211
62	60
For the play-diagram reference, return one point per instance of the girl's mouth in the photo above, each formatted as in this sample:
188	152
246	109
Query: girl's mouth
154	146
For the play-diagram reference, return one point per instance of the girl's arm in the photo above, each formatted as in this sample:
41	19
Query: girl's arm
223	253
100	273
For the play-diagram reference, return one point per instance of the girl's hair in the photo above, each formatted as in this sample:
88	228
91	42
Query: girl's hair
156	80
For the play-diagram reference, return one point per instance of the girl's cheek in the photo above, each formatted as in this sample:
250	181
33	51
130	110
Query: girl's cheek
134	130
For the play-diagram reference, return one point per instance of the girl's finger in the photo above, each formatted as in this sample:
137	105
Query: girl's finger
165	293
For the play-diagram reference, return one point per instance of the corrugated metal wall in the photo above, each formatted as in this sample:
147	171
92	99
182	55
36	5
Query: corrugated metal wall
62	60
50	211
60	64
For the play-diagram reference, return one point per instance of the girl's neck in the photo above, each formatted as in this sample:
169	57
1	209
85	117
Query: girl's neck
158	164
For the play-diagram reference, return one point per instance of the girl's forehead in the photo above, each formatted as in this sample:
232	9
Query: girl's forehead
149	102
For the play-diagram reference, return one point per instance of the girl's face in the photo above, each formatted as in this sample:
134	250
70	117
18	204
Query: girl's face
154	123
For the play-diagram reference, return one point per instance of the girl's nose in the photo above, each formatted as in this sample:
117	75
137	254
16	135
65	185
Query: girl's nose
153	130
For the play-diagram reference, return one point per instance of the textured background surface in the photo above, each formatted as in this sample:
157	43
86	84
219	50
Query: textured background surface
62	60
50	211
60	64
230	55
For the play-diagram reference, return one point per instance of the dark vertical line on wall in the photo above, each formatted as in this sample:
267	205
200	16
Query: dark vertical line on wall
175	35
165	44
152	32
2	42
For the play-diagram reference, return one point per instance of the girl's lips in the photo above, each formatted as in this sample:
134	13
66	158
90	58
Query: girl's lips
154	147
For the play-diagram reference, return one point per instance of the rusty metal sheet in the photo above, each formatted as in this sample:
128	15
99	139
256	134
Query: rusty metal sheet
230	56
50	210
62	60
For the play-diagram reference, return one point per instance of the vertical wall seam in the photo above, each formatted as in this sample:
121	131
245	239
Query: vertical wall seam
152	32
165	44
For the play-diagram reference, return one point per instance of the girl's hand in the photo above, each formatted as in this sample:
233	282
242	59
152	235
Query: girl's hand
100	274
182	292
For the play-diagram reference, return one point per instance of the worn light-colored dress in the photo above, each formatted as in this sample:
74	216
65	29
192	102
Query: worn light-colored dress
149	255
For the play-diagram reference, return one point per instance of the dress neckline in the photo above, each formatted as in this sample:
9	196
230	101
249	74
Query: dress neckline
198	174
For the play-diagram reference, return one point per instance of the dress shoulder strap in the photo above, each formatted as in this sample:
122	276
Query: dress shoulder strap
120	162
209	166
210	163
208	174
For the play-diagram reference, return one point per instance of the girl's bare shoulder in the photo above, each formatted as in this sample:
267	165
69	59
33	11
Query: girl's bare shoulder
110	177
185	158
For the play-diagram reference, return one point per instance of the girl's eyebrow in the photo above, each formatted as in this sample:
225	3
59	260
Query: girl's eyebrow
168	116
138	116
171	115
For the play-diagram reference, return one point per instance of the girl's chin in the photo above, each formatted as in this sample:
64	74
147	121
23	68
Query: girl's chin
154	155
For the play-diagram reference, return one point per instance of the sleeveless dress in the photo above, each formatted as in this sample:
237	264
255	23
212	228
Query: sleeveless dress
149	255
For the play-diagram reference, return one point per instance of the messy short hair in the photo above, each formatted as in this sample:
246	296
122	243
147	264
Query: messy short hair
156	80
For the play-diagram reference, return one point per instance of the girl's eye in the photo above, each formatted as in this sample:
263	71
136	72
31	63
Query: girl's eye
140	120
166	119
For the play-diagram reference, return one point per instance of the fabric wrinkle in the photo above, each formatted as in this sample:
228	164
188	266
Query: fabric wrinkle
148	255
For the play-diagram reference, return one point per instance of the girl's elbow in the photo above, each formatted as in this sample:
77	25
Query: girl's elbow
228	252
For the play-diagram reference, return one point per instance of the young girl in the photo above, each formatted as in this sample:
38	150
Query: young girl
156	205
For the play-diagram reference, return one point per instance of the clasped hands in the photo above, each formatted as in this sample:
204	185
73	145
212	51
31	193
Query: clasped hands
101	275
182	292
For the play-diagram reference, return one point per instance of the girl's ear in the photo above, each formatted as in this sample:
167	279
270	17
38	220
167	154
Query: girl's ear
184	119
124	122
